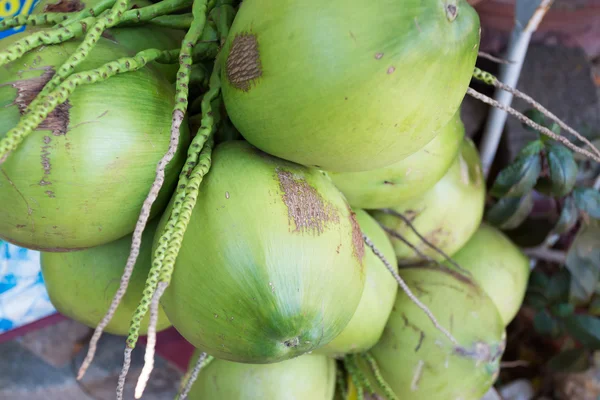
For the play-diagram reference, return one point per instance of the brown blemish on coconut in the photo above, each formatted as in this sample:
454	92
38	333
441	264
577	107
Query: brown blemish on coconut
306	208
358	243
421	338
451	10
50	194
416	329
27	89
411	215
243	63
64	6
391	70
45	160
378	56
438	237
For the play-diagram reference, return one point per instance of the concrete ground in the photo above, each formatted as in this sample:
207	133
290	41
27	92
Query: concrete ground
42	365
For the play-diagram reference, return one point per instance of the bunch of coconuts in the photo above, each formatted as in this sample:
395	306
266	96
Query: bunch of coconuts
351	173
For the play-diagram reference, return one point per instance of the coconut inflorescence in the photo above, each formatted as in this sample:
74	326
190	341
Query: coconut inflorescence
133	38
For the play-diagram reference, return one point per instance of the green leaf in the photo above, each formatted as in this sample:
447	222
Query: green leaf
583	262
557	290
532	232
562	310
536	290
538	280
521	176
562	170
544	323
510	212
570	361
578	293
536	300
568	217
588	201
584	328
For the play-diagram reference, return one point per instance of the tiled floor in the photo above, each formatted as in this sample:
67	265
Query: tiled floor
42	366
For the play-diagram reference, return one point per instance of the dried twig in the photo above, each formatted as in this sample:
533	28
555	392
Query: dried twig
529	122
424	240
493	58
200	363
408	292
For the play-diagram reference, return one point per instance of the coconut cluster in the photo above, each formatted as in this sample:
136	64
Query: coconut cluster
318	235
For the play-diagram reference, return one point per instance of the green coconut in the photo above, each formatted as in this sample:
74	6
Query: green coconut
134	38
347	85
366	326
446	215
82	284
408	178
498	266
305	377
80	179
272	263
419	362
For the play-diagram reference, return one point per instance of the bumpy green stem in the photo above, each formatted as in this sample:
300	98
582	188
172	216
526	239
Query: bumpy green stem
55	36
355	373
182	21
33	20
94	11
341	382
484	76
192	374
383	385
155	10
104	22
181	98
364	381
30	121
192	191
223	15
190	179
112	18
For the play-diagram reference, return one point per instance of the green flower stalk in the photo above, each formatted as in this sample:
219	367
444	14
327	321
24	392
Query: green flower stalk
30	121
